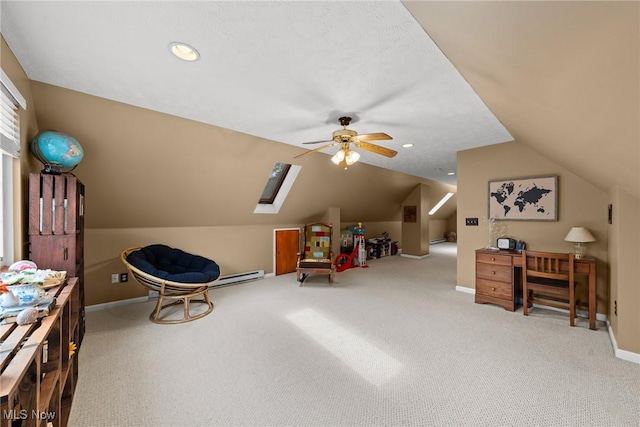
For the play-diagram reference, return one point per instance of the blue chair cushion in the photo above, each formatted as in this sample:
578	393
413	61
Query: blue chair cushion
175	265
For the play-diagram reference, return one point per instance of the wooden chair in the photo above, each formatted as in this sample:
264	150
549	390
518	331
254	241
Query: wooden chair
548	279
316	256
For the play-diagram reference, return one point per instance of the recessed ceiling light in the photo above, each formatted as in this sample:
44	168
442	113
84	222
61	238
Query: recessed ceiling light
451	173
407	145
184	51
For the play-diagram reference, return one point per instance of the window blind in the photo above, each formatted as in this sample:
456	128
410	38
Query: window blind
9	123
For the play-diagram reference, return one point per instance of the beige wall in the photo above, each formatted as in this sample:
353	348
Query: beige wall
580	203
235	249
444	219
148	169
624	235
437	229
26	164
332	216
452	222
151	177
375	229
415	235
561	76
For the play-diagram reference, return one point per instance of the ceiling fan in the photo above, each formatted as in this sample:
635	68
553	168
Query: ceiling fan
345	137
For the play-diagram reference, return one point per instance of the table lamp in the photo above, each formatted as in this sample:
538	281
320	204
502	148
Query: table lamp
579	236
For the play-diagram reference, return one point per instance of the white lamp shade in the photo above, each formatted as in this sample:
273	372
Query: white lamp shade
352	157
338	157
579	235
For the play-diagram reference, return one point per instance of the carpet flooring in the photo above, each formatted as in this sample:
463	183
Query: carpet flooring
388	345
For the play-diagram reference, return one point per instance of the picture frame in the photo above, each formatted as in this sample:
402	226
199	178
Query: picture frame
524	199
410	214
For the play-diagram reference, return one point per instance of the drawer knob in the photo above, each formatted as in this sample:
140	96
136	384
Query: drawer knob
493	289
493	259
493	272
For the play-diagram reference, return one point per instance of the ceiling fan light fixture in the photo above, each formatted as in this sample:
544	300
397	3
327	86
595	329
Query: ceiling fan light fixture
351	157
338	157
184	51
347	138
344	135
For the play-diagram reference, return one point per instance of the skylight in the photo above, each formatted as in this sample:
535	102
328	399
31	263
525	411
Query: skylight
276	178
440	203
277	187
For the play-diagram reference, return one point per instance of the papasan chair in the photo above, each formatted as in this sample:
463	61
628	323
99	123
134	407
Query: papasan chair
176	275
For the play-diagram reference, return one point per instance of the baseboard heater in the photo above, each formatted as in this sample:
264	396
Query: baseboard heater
232	279
433	242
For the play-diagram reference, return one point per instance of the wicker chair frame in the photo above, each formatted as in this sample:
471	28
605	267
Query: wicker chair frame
175	292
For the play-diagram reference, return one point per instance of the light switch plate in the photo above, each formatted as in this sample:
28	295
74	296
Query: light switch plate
471	221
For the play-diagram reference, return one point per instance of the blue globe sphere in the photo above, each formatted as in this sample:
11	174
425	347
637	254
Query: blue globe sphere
56	149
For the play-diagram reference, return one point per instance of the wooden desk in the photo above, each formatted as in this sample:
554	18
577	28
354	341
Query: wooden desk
499	279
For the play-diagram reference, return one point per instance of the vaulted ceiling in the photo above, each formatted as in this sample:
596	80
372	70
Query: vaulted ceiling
444	76
563	77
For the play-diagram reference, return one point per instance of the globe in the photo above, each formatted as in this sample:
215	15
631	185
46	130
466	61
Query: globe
56	150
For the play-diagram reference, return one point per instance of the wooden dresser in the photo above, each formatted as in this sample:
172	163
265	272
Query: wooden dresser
496	282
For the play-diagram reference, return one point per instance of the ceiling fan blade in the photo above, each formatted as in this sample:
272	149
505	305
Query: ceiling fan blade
374	136
318	142
315	150
387	152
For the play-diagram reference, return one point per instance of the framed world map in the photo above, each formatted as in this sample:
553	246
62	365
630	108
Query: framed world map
533	198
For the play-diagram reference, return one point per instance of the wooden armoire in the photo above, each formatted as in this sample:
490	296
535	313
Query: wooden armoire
56	228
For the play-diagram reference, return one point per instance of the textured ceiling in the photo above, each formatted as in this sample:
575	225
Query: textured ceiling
284	71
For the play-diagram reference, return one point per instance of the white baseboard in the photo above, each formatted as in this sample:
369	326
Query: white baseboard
97	307
580	313
415	256
629	356
152	295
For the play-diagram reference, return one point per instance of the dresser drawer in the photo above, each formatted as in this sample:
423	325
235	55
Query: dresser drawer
502	290
499	273
494	259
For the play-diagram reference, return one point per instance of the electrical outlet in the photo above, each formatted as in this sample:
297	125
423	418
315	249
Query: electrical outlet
471	221
115	277
124	277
